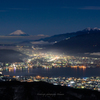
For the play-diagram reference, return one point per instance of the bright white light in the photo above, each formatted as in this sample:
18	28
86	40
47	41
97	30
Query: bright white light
54	59
72	82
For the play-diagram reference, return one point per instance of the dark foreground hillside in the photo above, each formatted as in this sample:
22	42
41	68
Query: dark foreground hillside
43	91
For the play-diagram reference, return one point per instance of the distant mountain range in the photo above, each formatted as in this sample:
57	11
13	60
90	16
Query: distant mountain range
87	40
18	33
60	37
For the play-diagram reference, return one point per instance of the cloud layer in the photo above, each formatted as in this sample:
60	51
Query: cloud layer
84	8
90	8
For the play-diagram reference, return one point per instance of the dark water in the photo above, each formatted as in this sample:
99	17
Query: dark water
55	72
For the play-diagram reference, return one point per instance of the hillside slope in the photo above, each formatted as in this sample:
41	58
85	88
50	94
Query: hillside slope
89	42
43	91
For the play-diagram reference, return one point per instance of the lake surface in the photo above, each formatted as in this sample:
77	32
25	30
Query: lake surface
54	72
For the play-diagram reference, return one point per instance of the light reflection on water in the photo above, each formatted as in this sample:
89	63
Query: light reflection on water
54	72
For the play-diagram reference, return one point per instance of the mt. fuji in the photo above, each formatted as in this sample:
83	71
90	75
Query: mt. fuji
18	33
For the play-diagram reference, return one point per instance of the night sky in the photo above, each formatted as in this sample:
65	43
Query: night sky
48	17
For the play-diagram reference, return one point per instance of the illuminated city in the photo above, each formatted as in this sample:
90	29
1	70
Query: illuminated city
50	50
48	61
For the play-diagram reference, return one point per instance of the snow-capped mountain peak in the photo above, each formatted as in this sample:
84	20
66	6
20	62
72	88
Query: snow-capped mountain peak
96	28
18	33
92	29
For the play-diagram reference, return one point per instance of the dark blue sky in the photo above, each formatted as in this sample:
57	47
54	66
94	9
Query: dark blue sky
48	17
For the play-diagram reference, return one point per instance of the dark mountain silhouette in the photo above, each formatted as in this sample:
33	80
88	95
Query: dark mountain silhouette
43	91
57	38
65	36
61	37
87	42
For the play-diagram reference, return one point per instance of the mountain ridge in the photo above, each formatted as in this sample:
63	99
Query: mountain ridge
60	37
88	42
